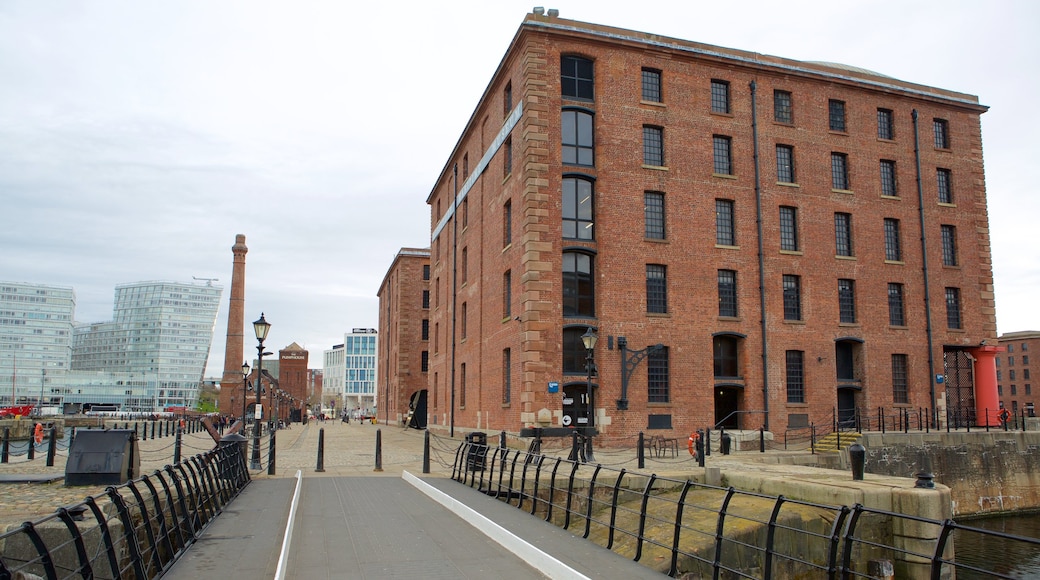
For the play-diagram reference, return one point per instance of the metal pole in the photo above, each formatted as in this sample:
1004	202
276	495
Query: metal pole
426	453
320	468
589	408
379	450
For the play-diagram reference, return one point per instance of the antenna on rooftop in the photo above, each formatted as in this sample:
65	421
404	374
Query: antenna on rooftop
208	281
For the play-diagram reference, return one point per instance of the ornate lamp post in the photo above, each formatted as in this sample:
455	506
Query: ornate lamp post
245	389
589	340
261	328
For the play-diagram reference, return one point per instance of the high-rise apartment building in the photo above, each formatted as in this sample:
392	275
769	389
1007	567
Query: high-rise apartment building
160	336
36	324
404	324
755	241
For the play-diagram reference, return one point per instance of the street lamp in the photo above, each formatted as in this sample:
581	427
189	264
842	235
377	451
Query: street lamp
245	389
261	328
589	340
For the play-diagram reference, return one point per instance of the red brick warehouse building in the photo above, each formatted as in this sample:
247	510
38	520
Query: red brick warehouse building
404	328
759	218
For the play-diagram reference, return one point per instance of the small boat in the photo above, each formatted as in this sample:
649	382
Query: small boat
16	411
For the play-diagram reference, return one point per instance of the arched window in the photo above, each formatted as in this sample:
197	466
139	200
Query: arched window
577	211
577	136
578	290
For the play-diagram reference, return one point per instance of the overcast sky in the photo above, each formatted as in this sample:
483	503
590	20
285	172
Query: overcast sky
137	137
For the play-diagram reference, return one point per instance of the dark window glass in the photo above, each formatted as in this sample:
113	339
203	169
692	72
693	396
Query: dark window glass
792	297
836	116
507	99
653	146
507	376
425	361
426	272
900	385
839	171
465	265
577	209
945	185
577	138
785	164
788	228
844	366
719	96
795	376
651	85
462	321
425	329
843	234
507	157
953	308
888	178
727	293
425	298
574	351
885	128
896	315
723	159
782	111
846	301
657	376
893	247
507	223
656	289
578	289
726	357
942	133
949	245
653	208
462	385
576	79
725	234
507	294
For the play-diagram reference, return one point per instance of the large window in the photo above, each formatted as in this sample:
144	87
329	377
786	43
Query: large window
795	376
577	209
653	146
719	96
782	108
900	385
651	85
942	133
896	310
725	233
726	354
885	127
893	245
507	223
788	228
843	234
840	171
722	147
425	299
576	80
949	245
888	178
836	115
792	297
578	288
574	355
462	321
507	156
846	301
653	209
785	164
425	361
944	183
577	133
426	329
657	376
507	294
656	289
953	308
728	293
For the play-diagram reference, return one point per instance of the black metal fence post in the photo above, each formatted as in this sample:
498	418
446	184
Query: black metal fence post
426	453
5	446
379	450
271	462
52	447
640	452
177	447
321	451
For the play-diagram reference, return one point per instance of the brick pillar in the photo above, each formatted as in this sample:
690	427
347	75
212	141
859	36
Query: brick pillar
233	347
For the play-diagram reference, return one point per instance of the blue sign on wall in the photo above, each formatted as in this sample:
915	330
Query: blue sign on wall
554	387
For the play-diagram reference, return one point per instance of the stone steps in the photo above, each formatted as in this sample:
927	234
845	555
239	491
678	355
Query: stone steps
829	444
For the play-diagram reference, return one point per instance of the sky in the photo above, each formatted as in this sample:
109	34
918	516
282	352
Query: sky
138	137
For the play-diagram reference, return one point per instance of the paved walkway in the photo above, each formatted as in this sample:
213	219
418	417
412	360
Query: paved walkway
355	522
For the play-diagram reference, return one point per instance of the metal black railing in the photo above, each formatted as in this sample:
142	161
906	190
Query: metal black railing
134	530
708	531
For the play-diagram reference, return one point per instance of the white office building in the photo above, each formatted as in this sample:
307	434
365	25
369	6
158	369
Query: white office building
35	341
350	371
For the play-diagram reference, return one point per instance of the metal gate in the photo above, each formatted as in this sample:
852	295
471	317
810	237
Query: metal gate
959	367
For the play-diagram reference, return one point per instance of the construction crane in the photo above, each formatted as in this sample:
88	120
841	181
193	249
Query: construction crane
208	281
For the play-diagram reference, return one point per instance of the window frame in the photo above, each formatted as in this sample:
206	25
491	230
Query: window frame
893	241
889	183
575	215
656	289
789	228
840	172
836	120
727	288
720	98
651	85
653	146
792	294
846	301
725	222
944	185
949	245
843	235
722	155
886	129
896	304
783	107
941	131
785	164
900	378
726	357
658	384
794	370
571	72
581	303
577	137
655	226
954	317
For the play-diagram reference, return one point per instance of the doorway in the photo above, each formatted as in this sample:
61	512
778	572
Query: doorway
727	403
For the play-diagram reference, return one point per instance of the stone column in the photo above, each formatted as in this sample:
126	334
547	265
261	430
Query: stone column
234	345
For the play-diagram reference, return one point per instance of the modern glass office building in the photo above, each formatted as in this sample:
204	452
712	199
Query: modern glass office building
159	338
350	371
35	340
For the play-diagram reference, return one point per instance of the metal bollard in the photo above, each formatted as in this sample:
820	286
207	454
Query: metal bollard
426	453
858	459
707	442
640	452
32	443
321	451
761	439
52	447
177	448
700	448
379	450
5	446
271	461
502	440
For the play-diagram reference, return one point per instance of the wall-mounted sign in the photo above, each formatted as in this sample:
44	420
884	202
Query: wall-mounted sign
554	387
568	401
940	379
